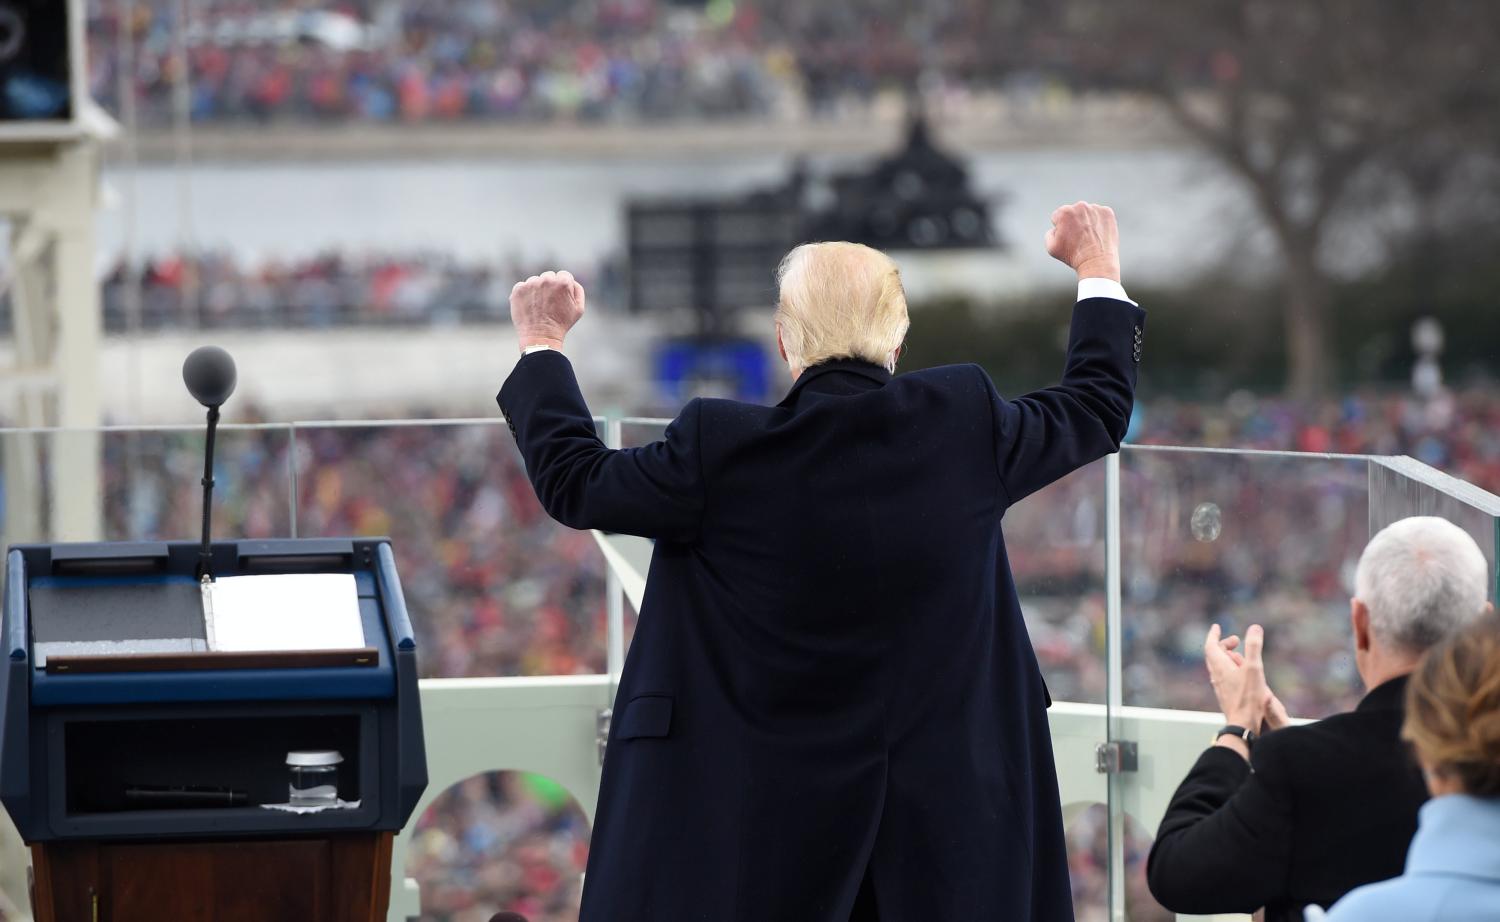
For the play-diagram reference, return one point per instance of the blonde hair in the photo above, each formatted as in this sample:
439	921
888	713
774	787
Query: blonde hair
840	300
1453	707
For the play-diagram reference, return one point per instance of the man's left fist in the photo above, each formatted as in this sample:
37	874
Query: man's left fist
1086	238
545	307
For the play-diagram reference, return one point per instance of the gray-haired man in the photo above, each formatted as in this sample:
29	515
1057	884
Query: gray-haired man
1308	813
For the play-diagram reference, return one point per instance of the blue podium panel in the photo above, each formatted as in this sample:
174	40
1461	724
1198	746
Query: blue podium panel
119	717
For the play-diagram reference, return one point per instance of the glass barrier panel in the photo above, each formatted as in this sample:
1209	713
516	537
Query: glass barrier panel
152	483
1055	542
638	431
495	586
1401	487
1240	538
143	484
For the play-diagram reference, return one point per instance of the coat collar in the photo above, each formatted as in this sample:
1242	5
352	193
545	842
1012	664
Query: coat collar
1389	695
842	368
1457	834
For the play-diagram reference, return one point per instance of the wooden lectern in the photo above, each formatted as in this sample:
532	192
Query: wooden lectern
344	878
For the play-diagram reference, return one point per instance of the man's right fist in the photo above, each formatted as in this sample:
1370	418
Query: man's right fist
545	307
1085	237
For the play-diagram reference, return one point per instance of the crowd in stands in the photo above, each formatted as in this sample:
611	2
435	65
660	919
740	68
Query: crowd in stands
505	841
1088	869
1280	546
431	61
212	290
496	586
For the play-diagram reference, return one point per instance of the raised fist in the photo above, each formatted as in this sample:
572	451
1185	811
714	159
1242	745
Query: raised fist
1085	237
545	307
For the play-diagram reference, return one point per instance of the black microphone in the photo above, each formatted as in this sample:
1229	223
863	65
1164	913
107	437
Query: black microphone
210	377
507	917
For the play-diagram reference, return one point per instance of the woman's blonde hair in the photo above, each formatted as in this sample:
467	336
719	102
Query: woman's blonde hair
1453	707
840	300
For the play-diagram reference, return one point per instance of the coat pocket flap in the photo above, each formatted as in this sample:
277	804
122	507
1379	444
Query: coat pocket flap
645	716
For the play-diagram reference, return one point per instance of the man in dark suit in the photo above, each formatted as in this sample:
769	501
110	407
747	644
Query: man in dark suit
831	709
1305	814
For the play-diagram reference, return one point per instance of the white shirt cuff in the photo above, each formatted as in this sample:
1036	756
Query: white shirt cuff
1102	288
542	347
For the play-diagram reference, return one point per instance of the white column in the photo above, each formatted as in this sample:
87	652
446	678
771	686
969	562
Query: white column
75	455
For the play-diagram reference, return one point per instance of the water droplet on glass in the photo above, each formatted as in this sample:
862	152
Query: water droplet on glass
1207	522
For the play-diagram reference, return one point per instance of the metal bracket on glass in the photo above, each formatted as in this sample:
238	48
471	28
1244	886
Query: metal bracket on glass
601	738
1116	756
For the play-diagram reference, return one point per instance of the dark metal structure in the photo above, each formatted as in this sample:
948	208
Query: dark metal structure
713	256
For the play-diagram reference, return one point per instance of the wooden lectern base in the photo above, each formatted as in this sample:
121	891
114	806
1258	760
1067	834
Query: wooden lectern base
344	878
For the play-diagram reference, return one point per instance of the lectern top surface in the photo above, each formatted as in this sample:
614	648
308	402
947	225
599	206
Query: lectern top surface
119	615
79	610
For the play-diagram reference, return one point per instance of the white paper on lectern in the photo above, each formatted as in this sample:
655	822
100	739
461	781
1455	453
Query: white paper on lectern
284	611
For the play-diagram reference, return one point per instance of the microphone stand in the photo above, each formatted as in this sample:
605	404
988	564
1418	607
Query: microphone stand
205	553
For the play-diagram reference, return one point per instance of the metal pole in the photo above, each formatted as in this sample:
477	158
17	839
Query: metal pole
1114	697
614	594
291	478
205	550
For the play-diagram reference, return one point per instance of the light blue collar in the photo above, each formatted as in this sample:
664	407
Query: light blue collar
1457	834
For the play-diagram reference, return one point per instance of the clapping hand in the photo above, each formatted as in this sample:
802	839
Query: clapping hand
1239	680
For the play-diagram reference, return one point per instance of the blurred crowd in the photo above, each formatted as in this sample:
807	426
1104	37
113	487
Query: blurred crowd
1455	431
504	841
497	588
451	60
1235	539
1088	869
1206	538
213	290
